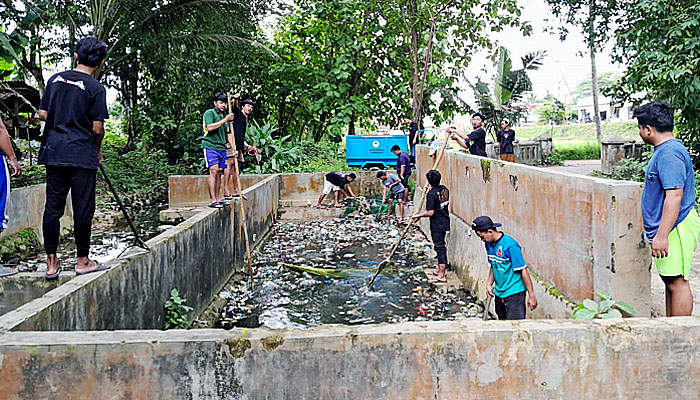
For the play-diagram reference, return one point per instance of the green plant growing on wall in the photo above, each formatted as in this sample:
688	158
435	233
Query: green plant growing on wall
176	311
607	308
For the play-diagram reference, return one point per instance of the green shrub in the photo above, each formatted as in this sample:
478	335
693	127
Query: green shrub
607	308
587	151
176	311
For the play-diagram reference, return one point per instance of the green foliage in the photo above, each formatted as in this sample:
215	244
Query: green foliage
555	111
584	87
176	311
31	175
662	59
629	169
277	154
586	151
510	87
607	308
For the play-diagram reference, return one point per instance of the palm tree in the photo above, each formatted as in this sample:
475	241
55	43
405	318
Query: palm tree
510	87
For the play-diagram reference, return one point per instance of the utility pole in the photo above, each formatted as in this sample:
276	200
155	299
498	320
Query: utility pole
594	73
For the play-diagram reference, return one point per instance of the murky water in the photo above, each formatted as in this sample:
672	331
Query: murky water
108	241
314	273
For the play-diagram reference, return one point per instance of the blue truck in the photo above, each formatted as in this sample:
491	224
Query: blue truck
368	151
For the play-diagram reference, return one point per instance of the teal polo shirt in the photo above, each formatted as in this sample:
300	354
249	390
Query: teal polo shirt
506	259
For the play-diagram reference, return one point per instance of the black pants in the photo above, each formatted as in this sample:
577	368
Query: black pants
440	246
511	307
81	183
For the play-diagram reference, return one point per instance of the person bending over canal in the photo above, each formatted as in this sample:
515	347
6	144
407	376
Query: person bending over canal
215	123
403	168
335	182
392	183
671	224
437	202
74	107
475	142
6	151
508	278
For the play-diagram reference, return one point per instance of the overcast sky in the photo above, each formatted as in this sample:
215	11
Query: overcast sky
562	65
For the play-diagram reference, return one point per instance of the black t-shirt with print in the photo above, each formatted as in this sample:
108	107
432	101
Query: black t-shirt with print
72	101
337	179
478	145
505	139
438	200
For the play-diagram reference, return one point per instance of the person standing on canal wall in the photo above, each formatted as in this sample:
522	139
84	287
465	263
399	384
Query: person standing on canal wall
6	151
671	223
215	123
505	138
403	168
475	142
74	107
241	114
412	136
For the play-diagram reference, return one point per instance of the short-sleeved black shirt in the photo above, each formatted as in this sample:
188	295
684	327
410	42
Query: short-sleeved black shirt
505	139
478	146
72	101
438	200
337	179
403	160
240	122
412	132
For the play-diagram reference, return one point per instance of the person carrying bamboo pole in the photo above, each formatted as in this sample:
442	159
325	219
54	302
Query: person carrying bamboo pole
216	137
436	208
241	113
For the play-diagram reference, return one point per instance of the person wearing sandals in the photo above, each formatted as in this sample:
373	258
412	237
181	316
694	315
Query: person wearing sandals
335	182
391	183
241	113
437	202
74	107
6	151
508	277
215	124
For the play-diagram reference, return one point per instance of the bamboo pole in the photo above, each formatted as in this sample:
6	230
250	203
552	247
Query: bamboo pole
240	192
411	222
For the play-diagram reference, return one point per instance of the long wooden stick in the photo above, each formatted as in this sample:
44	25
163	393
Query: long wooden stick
240	192
410	223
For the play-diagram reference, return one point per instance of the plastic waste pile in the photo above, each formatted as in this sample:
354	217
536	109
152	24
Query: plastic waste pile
313	273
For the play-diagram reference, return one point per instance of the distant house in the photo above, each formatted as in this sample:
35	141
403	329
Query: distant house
609	111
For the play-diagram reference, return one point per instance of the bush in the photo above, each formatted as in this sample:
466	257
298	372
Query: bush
587	151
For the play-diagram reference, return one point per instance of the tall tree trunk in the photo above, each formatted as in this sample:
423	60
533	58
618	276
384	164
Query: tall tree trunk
415	84
71	45
351	125
594	72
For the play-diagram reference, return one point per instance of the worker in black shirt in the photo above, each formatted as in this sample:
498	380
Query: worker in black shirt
335	181
412	136
475	142
437	208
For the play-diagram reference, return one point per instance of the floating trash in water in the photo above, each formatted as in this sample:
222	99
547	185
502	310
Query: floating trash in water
314	273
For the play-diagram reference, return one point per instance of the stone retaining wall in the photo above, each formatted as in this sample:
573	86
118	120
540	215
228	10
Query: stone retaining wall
579	234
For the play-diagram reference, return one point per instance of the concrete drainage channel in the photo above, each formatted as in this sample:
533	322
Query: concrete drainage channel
45	351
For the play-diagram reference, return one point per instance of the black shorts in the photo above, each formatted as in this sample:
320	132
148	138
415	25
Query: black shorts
511	307
396	196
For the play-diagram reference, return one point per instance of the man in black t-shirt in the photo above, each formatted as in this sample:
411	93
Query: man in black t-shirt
241	114
74	108
437	202
475	142
334	182
505	138
412	136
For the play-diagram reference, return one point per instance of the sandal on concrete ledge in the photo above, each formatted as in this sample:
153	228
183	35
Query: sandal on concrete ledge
54	276
216	204
100	267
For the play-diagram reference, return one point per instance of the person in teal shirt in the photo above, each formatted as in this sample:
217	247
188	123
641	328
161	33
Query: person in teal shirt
508	278
215	124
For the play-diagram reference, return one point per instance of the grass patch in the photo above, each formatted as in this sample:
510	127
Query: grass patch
577	151
579	131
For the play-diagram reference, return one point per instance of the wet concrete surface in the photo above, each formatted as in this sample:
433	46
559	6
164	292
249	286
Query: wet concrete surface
315	273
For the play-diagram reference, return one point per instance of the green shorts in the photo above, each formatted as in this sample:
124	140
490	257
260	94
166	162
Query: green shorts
682	242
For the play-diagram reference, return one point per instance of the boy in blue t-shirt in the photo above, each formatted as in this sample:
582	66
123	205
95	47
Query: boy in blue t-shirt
671	224
508	271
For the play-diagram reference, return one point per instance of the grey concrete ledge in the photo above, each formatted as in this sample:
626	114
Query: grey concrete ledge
603	359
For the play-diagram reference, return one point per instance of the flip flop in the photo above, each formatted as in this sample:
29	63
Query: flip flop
7	271
54	276
321	206
438	280
216	204
433	273
100	267
229	197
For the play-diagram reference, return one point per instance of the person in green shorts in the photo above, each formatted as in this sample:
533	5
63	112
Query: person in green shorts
671	223
215	124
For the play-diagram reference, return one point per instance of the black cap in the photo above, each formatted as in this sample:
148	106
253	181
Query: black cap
248	101
484	223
